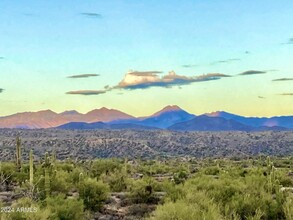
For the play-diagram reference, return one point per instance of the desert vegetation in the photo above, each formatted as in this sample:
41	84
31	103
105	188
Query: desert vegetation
145	144
259	187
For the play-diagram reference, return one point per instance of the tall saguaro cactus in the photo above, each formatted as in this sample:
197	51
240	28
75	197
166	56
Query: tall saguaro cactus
272	182
18	154
31	167
47	165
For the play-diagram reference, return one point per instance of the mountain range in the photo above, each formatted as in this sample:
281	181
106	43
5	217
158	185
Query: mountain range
171	117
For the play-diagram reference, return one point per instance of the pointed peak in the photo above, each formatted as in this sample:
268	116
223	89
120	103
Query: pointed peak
47	111
168	108
214	114
70	112
171	108
98	110
104	109
221	114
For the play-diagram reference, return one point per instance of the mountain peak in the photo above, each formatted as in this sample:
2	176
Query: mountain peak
214	114
104	109
100	110
168	108
47	111
221	114
172	108
70	112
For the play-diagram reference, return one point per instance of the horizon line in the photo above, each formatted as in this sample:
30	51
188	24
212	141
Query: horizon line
107	108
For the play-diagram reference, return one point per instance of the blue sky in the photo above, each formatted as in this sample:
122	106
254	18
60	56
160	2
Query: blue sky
44	42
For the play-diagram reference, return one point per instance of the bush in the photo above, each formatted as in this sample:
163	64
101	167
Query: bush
212	171
65	209
93	193
116	180
60	182
142	191
288	208
104	166
195	206
35	213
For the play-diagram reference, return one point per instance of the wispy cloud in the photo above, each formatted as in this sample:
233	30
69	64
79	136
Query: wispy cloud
86	92
147	79
225	61
29	14
283	79
286	94
252	72
144	73
190	65
91	15
212	63
83	76
131	81
289	41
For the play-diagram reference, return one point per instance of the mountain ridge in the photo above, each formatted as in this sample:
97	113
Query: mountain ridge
166	118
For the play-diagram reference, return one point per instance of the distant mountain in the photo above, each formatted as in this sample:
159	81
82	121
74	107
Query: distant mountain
171	116
49	119
41	119
83	125
105	115
164	118
206	123
101	125
281	121
168	116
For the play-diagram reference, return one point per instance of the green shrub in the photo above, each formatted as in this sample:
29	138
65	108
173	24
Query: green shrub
212	171
93	193
196	206
65	209
116	180
60	182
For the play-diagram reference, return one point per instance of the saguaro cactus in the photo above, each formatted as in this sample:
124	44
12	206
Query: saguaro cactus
80	179
272	183
31	167
47	182
18	154
47	165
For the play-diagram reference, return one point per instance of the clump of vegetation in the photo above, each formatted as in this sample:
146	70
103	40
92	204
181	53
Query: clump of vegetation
256	188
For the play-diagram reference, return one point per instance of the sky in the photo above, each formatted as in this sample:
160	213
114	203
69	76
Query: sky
139	56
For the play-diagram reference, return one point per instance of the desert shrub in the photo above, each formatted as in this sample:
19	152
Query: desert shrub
212	171
173	192
33	211
142	191
60	182
153	167
65	167
285	181
288	207
180	177
65	209
194	206
75	175
93	193
116	180
104	166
